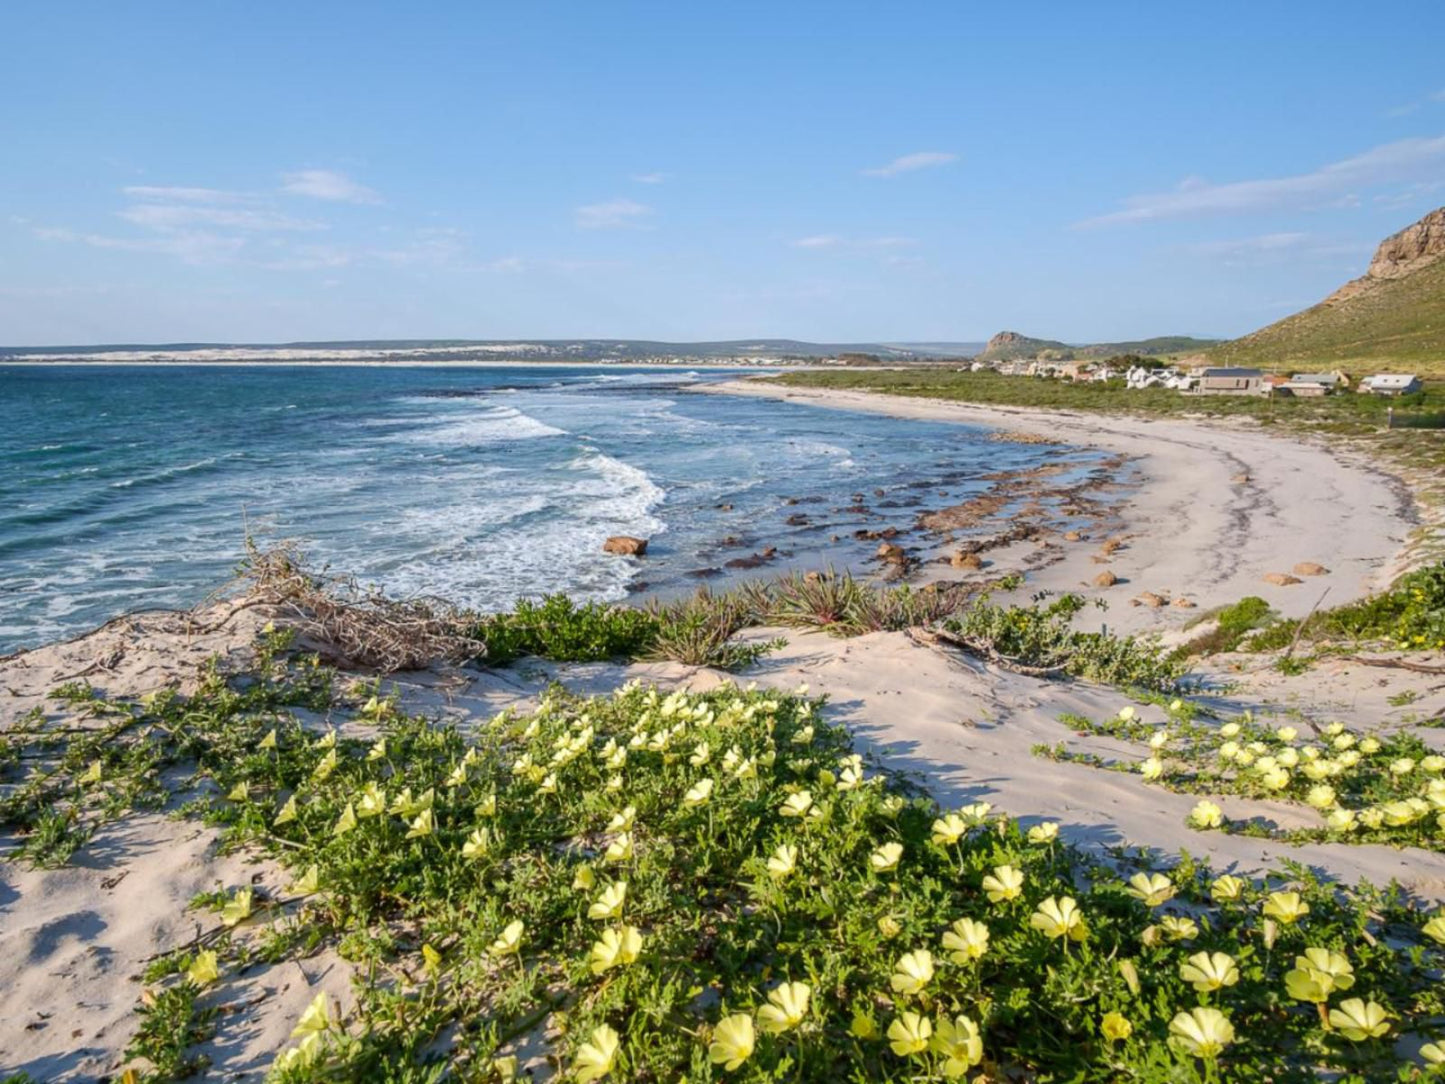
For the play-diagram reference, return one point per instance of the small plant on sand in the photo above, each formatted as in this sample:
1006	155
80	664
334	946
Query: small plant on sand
651	885
1041	639
1363	788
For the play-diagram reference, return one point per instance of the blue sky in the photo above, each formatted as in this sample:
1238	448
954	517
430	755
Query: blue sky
841	172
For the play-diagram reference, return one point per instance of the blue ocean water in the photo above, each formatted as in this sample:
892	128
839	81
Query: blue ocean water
132	487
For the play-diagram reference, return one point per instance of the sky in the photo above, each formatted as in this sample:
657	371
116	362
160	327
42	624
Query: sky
838	172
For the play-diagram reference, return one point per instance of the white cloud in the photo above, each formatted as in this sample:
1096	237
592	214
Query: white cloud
822	240
182	194
649	178
327	185
832	240
1277	248
191	248
910	162
1389	163
1267	242
170	217
612	214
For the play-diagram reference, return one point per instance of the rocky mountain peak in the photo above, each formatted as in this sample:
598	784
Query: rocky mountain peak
1399	255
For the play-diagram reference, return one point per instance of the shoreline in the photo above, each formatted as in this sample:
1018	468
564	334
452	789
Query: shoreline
1235	504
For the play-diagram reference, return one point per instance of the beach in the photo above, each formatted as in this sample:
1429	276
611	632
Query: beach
1211	510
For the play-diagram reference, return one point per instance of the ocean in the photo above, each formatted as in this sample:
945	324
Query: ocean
133	487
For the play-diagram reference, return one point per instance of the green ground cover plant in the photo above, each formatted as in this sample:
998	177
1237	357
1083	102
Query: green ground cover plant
1410	616
666	886
1360	787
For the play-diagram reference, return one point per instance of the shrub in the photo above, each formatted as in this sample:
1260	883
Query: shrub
562	630
1042	638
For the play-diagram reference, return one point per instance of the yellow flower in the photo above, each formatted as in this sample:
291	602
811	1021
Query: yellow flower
960	1045
1151	888
620	849
1435	928
1003	884
885	858
237	908
1202	1032
346	822
949	829
622	822
314	1020
797	804
1317	974
699	793
975	814
1126	713
584	880
1229	730
422	826
967	940
1286	734
1358	1020
1369	747
325	767
909	1034
1152	768
1321	796
1206	971
609	902
783	861
1206	814
701	754
595	1057
510	941
786	1007
287	813
1433	1054
478	843
1179	929
372	802
912	973
1060	918
240	792
1115	1027
1285	907
1227	888
1044	833
309	883
378	750
732	1041
863	1026
1341	820
269	741
615	947
203	970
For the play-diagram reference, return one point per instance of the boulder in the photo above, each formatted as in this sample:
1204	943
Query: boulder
625	546
1281	579
1240	479
1310	568
894	555
1105	579
1153	601
1073	536
1184	604
963	559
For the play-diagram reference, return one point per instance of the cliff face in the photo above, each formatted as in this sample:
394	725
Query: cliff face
1399	255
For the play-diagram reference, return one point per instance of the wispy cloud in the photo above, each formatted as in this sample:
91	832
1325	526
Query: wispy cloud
612	214
908	163
183	194
833	240
649	178
1272	248
1391	163
190	248
179	216
328	185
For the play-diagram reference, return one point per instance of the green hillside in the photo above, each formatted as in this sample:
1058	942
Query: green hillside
1376	323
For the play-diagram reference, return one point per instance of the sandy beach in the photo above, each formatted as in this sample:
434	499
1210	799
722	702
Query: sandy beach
1216	509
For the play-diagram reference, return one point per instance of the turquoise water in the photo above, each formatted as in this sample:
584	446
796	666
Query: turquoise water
132	487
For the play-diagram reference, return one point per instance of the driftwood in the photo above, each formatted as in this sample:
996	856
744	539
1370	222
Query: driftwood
1395	664
980	649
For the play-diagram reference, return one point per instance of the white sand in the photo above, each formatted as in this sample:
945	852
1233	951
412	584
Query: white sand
1191	530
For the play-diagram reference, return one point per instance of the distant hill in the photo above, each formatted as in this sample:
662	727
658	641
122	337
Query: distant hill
1011	346
1392	317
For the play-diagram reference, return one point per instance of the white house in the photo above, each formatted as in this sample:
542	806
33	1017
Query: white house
1391	384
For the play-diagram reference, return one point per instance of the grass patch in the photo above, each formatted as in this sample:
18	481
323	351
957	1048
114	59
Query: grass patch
713	886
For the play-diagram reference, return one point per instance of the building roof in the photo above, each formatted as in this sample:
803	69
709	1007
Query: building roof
1392	380
1239	373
